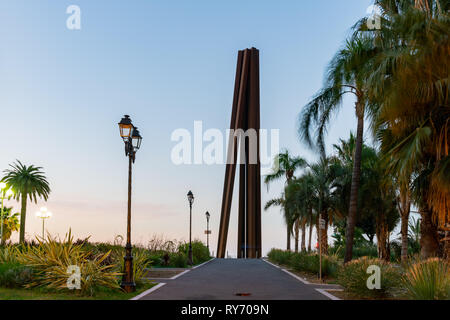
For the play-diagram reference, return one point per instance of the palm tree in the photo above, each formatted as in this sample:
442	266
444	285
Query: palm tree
300	203
346	73
409	83
323	175
26	181
377	201
286	165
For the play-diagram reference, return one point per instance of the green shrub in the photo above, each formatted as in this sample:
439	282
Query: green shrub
14	275
330	266
306	262
353	277
8	254
200	253
280	256
178	260
366	250
156	258
101	247
311	263
428	280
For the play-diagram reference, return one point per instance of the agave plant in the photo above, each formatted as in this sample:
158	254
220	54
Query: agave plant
141	262
50	261
353	277
428	280
8	255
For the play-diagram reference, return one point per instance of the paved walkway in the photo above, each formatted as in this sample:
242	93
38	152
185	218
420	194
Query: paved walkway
222	279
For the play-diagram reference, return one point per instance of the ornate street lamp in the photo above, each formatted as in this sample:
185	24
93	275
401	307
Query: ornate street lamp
132	139
207	229
5	193
190	196
43	213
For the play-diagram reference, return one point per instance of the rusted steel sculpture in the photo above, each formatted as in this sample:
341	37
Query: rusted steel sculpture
245	116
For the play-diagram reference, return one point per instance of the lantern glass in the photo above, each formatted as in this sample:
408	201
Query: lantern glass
125	127
125	131
136	139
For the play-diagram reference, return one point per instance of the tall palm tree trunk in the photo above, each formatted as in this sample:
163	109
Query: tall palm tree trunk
23	214
289	175
288	239
405	205
317	232
404	232
382	237
351	219
311	226
429	242
303	235
324	235
297	229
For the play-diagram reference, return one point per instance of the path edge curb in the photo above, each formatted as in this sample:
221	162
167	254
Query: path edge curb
146	292
322	291
327	294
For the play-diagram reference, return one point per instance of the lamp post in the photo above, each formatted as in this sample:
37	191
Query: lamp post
4	194
132	139
43	213
190	196
207	229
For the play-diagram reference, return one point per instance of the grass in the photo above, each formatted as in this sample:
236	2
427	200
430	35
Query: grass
40	294
345	295
311	277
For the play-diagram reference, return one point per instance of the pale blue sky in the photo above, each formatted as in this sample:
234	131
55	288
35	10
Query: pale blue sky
167	64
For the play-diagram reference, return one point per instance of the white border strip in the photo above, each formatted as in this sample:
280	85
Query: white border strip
139	296
172	278
203	263
297	277
301	279
179	275
289	273
184	272
271	263
329	295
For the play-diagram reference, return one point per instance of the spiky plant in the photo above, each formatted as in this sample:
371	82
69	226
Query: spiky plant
51	259
428	280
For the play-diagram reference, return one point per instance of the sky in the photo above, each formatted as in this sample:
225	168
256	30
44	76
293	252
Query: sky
166	64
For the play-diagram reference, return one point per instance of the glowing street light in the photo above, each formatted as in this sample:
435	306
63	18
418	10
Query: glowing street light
43	213
5	193
132	139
